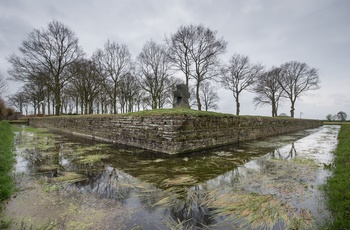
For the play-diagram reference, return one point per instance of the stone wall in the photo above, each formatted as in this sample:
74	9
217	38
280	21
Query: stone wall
173	134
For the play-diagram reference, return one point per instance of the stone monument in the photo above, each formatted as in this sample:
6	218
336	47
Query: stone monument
181	97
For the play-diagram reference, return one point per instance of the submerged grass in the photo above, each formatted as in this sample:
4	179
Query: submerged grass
338	186
257	211
89	159
237	208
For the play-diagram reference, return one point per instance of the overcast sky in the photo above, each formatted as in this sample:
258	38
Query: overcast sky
270	32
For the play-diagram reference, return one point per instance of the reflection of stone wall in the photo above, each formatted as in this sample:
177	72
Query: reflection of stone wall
174	133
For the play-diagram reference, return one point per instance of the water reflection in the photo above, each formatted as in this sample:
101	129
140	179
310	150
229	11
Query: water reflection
176	189
110	184
291	154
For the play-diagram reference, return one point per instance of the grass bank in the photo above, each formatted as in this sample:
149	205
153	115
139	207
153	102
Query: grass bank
336	122
338	186
158	112
7	160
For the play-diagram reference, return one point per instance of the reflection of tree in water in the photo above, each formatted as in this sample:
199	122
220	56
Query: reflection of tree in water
180	203
189	208
189	205
230	179
291	154
110	184
270	167
184	205
29	154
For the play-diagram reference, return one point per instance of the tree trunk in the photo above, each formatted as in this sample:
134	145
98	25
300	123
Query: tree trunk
197	96
292	109
154	102
86	104
57	97
85	108
237	104
274	109
91	110
114	101
21	107
76	105
187	83
57	104
81	105
38	106
53	106
98	107
48	103
43	107
115	98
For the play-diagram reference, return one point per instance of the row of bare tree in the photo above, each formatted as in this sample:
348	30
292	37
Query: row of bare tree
289	81
60	78
340	116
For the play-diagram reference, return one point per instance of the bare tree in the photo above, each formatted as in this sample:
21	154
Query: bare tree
329	117
86	81
71	99
240	74
3	109
342	116
35	93
195	50
209	96
3	84
296	79
179	45
129	91
113	62
154	72
18	100
47	52
268	90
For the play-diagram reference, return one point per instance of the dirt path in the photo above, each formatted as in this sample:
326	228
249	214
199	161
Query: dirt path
40	205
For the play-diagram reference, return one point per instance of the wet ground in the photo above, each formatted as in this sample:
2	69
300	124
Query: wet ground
66	183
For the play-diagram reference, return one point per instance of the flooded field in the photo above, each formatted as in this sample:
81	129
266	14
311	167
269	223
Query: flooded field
69	183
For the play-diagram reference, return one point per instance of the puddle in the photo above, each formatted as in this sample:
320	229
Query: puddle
273	183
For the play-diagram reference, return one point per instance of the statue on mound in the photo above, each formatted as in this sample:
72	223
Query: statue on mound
181	97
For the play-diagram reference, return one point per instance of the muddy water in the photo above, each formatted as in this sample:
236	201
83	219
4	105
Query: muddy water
67	183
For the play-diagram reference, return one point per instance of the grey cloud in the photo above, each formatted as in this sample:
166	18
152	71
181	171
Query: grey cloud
271	32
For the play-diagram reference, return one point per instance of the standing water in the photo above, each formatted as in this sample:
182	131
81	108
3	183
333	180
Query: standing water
69	183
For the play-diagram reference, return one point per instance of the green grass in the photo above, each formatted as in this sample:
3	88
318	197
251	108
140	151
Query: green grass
338	186
336	122
157	112
167	112
179	112
7	160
